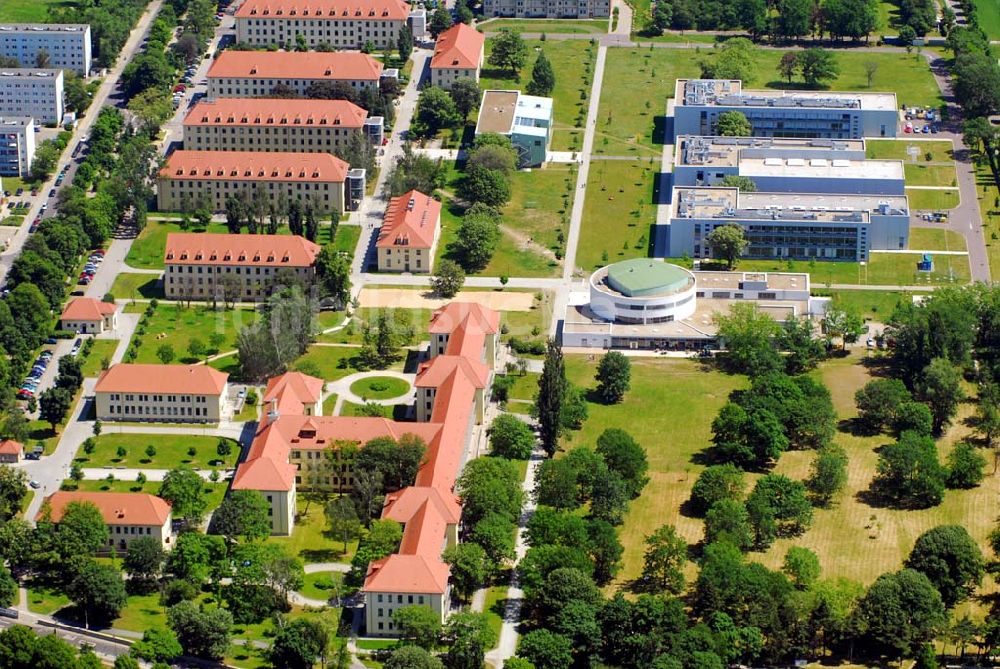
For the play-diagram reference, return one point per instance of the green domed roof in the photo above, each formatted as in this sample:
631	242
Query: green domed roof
642	277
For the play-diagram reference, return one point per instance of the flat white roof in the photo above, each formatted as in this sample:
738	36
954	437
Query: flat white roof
821	168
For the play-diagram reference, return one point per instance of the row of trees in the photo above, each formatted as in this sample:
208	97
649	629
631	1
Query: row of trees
782	20
735	59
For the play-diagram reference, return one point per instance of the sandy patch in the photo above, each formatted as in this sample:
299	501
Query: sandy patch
6	233
402	298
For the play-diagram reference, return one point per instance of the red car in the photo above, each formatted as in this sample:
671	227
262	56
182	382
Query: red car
179	88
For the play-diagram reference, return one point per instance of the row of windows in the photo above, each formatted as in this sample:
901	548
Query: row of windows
132	530
157	411
183	183
179	269
219	130
410	599
255	81
295	23
128	397
249	292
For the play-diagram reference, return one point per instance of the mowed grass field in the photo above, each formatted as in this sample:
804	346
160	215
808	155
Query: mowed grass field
618	213
988	13
573	26
884	537
988	195
573	65
176	325
896	149
28	11
669	410
646	77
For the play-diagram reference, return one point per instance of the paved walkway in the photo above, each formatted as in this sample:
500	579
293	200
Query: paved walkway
342	388
507	644
152	474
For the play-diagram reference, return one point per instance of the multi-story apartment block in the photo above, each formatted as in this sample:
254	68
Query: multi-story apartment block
161	393
549	9
795	226
316	178
32	92
17	145
128	515
308	126
233	267
341	24
67	44
697	104
786	165
409	234
255	74
458	54
293	449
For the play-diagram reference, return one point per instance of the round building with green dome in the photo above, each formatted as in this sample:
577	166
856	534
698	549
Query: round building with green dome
642	290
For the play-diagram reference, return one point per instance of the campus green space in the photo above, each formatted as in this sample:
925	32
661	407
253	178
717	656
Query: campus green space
988	196
895	149
172	450
936	239
573	66
669	410
28	11
311	540
532	26
617	213
230	363
932	199
525	386
322	585
101	349
347	237
176	325
646	76
329	404
988	15
214	492
12	221
148	248
883	269
673	38
493	607
511	258
331	363
380	387
134	286
876	305
930	175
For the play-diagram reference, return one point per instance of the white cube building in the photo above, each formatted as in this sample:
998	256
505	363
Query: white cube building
32	92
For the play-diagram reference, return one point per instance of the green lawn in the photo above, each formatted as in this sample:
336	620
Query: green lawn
214	492
328	362
380	387
572	62
540	204
885	269
988	14
876	305
496	601
45	599
311	541
934	239
347	238
175	325
171	451
148	248
525	387
932	199
575	26
669	410
141	613
895	149
12	221
131	286
28	11
510	258
42	432
645	78
988	195
618	212
329	404
101	349
930	175
321	585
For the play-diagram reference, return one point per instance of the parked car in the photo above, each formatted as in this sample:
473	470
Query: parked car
52	193
83	281
35	484
51	340
76	346
19	191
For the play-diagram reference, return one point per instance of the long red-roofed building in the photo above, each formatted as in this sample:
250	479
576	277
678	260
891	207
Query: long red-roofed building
458	54
292	449
128	515
254	74
409	234
190	176
341	24
275	124
233	268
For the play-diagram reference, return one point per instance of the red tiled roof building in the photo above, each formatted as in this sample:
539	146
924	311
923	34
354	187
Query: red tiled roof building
341	24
